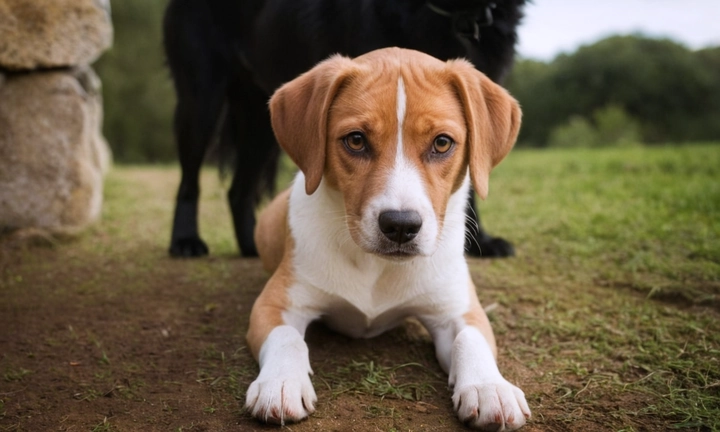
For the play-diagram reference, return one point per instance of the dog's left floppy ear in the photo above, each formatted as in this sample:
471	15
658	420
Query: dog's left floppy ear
493	121
299	115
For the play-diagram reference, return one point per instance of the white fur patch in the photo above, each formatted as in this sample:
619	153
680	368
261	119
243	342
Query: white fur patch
481	395
401	107
283	391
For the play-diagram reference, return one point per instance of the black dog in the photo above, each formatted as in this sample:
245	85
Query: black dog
228	56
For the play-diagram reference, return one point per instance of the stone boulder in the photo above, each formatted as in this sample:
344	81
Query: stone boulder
40	34
52	152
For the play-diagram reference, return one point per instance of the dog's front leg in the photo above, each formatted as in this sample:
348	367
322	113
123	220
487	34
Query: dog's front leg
282	391
482	397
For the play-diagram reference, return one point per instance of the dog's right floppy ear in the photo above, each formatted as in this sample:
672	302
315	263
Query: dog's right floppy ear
493	121
299	115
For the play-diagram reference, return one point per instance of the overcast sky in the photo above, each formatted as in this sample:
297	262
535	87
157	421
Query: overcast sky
554	26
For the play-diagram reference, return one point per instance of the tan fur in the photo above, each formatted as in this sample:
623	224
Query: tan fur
298	111
271	230
493	121
273	300
477	318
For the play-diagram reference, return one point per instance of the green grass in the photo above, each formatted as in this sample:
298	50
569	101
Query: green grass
103	426
15	374
641	218
590	227
367	377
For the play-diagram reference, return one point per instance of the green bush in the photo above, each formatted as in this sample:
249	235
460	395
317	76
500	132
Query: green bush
577	132
611	126
615	127
138	96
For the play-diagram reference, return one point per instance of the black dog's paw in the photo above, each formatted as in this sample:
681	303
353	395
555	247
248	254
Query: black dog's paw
489	247
249	251
188	247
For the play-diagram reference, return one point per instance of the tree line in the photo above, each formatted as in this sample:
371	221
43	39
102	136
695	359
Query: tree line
618	90
622	90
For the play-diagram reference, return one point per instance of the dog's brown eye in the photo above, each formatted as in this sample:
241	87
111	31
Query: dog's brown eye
355	142
442	144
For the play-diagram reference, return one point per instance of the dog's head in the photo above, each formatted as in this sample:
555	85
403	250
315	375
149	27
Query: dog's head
395	132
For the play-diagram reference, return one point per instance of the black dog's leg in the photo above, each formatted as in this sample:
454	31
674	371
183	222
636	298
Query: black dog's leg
478	242
255	162
185	240
192	142
196	115
199	73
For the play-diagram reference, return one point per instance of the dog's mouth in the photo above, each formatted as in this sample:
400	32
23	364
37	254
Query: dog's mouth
397	252
390	251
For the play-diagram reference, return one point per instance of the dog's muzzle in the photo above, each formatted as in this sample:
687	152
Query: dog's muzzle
400	226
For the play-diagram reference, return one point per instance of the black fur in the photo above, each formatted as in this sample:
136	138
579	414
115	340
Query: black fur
228	56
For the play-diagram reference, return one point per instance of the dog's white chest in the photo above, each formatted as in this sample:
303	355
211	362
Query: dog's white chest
346	318
366	296
370	307
360	298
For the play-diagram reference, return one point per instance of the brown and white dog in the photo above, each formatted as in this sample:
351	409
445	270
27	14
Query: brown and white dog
372	230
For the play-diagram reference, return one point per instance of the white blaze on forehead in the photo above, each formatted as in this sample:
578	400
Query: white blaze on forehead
401	106
403	171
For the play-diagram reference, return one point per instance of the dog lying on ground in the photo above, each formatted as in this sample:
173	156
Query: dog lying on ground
228	56
372	230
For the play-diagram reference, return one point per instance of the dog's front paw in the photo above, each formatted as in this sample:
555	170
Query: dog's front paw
495	406
281	399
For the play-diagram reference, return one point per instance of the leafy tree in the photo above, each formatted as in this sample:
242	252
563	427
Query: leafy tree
611	126
528	82
670	90
137	89
707	125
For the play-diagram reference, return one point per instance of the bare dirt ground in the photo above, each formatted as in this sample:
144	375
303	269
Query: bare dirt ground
105	332
94	346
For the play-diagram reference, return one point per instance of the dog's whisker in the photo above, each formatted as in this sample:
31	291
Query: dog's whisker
472	224
473	239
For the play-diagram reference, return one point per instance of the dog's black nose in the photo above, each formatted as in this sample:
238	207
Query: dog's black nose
400	226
